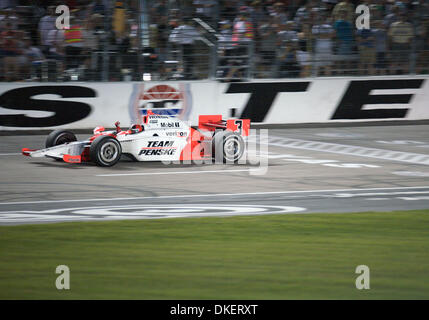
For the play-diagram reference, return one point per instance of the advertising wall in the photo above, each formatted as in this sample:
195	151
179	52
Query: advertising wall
83	105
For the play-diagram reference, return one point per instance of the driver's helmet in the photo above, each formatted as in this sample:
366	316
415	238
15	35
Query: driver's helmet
136	128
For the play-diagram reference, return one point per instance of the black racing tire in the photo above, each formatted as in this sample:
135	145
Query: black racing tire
58	137
227	147
105	151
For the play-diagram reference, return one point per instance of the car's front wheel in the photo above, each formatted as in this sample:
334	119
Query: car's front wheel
105	151
58	137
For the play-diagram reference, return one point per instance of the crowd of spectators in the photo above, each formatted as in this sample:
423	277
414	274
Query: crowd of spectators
299	38
171	38
32	45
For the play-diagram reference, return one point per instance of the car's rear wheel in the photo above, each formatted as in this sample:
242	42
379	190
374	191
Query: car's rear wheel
227	147
105	151
58	137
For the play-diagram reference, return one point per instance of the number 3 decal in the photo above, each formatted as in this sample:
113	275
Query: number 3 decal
239	124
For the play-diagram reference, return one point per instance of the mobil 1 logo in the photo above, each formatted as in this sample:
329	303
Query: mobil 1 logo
170	124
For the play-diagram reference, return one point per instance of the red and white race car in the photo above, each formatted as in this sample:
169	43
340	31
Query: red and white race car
158	138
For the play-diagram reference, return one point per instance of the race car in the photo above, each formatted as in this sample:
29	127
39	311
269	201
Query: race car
158	138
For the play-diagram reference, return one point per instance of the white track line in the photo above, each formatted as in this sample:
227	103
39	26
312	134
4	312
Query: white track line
10	154
171	172
214	195
348	195
416	158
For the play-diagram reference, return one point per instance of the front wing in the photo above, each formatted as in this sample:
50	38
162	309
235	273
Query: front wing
73	152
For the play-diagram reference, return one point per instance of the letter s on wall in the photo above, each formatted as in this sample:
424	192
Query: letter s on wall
64	111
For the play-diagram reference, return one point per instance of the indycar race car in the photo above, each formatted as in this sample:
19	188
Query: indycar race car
158	138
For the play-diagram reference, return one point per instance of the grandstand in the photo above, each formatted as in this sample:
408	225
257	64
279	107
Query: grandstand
232	40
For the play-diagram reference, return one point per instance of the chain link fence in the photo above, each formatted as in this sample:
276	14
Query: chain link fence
203	39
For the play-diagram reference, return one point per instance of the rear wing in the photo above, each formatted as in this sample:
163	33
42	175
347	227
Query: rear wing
215	122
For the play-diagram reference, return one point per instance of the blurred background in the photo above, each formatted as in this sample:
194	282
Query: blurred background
227	40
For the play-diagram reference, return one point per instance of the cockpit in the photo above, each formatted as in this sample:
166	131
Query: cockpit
136	128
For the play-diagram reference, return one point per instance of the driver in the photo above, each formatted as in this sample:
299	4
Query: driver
136	128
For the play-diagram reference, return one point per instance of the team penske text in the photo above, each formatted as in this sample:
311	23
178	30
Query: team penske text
157	152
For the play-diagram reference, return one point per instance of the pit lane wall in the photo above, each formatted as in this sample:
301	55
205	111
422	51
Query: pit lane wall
84	105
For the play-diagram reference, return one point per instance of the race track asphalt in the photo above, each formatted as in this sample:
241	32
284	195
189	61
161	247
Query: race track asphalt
340	169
